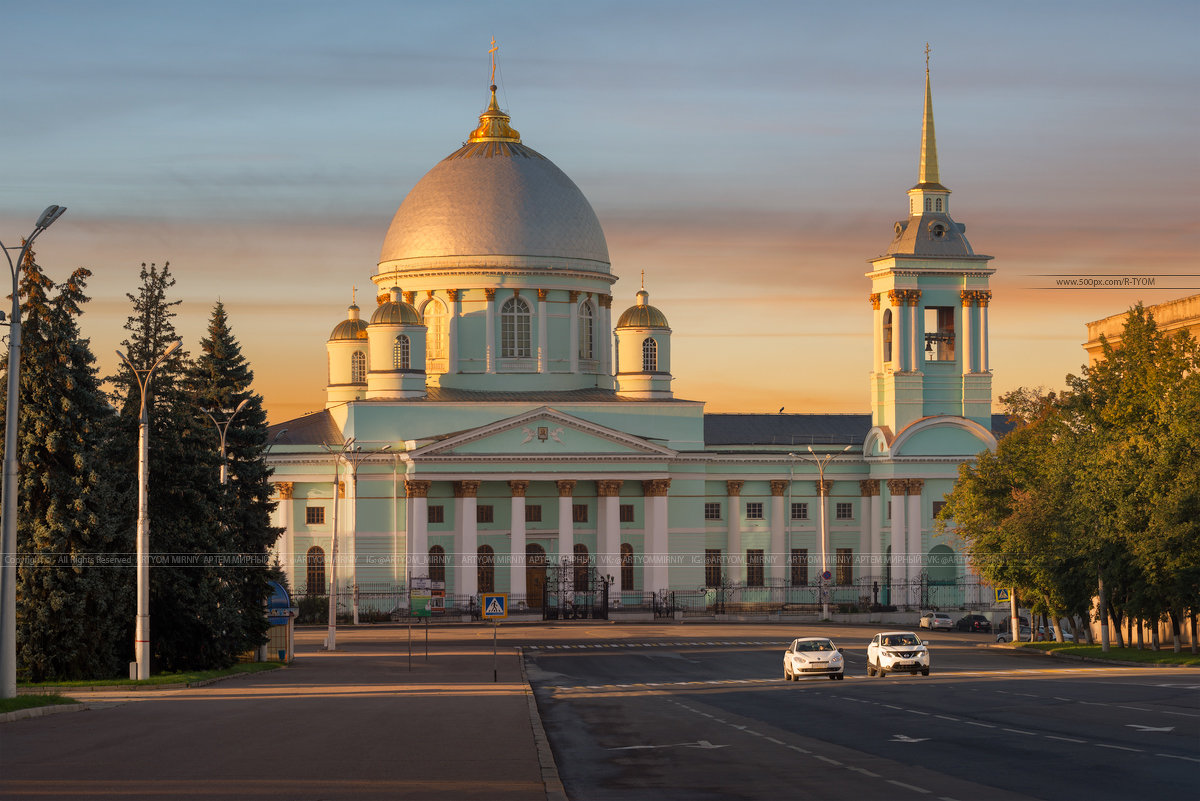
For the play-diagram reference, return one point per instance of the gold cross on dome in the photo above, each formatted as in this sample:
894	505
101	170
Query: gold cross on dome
493	50
927	56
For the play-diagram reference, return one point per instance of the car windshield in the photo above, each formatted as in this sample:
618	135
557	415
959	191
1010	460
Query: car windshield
901	639
814	645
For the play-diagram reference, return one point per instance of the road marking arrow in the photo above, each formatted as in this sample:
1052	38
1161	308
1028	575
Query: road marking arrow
1140	727
704	744
904	738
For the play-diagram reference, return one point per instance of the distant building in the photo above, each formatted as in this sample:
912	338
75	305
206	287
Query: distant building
1170	317
506	422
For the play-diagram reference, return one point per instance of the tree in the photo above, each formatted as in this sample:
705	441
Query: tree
191	617
74	602
220	380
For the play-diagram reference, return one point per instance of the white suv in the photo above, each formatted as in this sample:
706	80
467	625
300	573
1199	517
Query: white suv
897	652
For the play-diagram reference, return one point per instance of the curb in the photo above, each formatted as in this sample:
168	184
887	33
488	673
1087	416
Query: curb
104	688
1034	652
554	786
40	711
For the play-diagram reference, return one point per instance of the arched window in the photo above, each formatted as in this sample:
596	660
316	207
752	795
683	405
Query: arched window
649	355
400	353
486	569
437	563
582	573
314	579
937	204
436	333
887	335
928	204
515	329
586	318
358	368
626	566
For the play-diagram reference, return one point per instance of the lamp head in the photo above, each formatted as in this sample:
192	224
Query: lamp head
242	405
176	345
51	214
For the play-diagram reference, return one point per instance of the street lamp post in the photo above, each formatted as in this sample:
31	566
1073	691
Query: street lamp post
8	497
820	462
222	430
141	637
337	453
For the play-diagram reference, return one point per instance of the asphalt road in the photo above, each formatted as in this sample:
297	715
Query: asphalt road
652	718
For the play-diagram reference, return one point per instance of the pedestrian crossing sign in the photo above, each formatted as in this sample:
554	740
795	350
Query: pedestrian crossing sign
1003	595
495	605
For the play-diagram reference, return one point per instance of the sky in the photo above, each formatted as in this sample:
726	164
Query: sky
750	157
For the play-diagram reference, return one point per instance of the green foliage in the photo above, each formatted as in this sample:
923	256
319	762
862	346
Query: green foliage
74	604
1101	482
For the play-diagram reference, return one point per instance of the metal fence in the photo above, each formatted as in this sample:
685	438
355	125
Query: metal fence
577	592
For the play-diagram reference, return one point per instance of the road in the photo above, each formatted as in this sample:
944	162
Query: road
712	718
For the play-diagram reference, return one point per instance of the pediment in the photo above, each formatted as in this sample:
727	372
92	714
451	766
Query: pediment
542	433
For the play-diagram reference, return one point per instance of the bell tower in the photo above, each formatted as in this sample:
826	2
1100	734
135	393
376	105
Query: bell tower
929	300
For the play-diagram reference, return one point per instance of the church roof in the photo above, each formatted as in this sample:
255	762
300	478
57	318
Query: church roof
317	428
800	429
642	314
495	202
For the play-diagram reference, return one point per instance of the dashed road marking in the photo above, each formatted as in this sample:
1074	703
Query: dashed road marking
912	787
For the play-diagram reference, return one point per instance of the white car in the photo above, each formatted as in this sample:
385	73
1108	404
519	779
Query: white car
813	656
897	652
936	620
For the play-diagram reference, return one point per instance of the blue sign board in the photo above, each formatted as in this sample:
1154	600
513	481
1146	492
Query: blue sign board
279	605
495	605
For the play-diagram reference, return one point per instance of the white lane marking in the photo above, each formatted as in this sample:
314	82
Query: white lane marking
1021	731
1065	739
912	787
1176	756
947	717
773	740
977	723
1119	748
1144	729
917	712
890	706
799	749
827	759
863	771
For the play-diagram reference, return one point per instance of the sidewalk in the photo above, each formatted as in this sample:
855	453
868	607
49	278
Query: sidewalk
351	723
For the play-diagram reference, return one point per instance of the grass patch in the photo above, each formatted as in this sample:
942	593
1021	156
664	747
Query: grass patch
161	678
30	701
1145	656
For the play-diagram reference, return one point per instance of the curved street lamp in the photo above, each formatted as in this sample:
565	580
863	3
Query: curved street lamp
8	498
222	430
820	462
141	637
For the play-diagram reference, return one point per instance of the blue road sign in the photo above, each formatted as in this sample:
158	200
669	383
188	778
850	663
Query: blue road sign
1003	595
495	605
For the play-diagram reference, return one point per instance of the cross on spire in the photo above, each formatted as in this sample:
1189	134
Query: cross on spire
926	55
493	50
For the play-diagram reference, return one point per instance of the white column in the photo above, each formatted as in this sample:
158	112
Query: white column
466	538
543	333
897	488
516	568
608	531
417	527
736	558
916	324
350	539
876	547
823	524
877	335
452	332
966	344
604	335
658	575
777	560
868	523
987	364
490	338
573	322
913	529
902	335
286	544
566	521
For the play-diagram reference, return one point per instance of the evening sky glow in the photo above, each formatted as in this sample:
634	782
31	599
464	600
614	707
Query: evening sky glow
749	157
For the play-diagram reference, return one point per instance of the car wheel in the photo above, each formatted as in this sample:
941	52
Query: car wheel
870	670
787	674
880	672
840	676
925	672
832	676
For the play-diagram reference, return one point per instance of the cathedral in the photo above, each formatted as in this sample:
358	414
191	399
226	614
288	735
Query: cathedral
492	425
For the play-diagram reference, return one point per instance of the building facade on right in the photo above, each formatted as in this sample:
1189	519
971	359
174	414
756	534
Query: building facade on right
1171	317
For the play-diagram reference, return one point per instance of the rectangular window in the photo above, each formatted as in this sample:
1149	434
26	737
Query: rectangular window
844	511
799	567
533	513
754	567
626	512
579	513
754	510
844	561
712	511
937	507
799	511
485	513
437	514
314	515
712	567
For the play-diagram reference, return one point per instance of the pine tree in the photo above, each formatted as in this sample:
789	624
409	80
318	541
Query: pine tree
220	381
189	612
74	606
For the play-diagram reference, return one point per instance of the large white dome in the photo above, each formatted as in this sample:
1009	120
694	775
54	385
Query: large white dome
495	203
